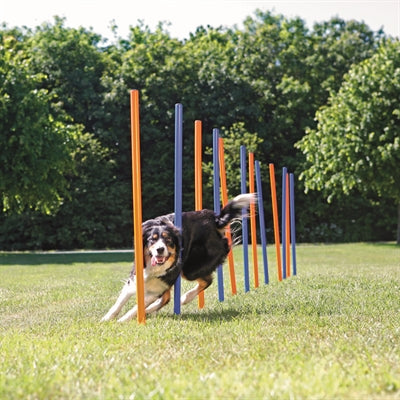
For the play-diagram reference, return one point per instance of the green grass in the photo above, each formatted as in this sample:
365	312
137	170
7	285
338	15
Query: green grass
331	332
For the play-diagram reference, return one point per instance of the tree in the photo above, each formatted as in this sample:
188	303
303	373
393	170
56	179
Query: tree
268	78
73	64
147	62
36	135
234	137
356	145
336	46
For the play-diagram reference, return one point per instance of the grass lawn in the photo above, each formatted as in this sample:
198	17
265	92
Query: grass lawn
331	332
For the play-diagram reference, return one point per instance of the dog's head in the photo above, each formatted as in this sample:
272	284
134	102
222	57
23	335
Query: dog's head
160	243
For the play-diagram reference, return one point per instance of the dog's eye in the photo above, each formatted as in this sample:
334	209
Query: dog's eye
170	242
153	238
167	239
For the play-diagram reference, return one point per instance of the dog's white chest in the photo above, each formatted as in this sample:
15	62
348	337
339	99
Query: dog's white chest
155	286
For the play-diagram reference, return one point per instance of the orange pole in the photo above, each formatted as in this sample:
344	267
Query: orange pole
287	227
275	217
253	227
137	205
198	181
197	165
224	195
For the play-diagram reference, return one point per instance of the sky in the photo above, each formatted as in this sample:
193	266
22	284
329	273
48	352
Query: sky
184	16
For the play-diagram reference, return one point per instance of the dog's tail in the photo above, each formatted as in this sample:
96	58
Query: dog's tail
234	209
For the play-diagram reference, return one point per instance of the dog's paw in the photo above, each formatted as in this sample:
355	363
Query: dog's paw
108	317
129	315
185	299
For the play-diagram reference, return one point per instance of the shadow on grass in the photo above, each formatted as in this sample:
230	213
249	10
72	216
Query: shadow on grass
66	257
210	315
392	245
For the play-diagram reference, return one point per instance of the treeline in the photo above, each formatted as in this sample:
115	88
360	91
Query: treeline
65	172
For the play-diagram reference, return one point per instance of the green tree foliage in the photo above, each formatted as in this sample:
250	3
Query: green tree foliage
73	65
292	70
357	142
37	137
145	61
337	45
95	214
268	78
234	137
49	164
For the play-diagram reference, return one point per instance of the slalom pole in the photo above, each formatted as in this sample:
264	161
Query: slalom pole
245	232
197	164
293	223
262	221
198	181
253	227
284	172
217	205
287	210
224	195
275	218
178	194
137	205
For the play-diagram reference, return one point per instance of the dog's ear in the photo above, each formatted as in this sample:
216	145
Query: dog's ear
146	229
148	225
166	220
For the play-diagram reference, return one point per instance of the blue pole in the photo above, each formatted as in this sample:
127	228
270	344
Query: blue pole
284	172
245	233
292	223
217	205
262	221
178	193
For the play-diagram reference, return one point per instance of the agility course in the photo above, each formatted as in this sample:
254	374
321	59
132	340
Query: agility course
251	182
311	337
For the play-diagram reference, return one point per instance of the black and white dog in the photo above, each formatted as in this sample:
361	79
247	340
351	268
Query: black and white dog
204	247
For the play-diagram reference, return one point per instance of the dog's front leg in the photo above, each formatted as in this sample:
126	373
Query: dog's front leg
127	292
129	315
159	303
202	284
133	312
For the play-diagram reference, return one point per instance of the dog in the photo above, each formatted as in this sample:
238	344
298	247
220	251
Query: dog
195	252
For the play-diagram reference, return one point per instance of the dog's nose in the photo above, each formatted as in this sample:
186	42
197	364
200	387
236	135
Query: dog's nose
160	250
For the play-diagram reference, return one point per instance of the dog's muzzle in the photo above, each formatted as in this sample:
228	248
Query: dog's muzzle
158	260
